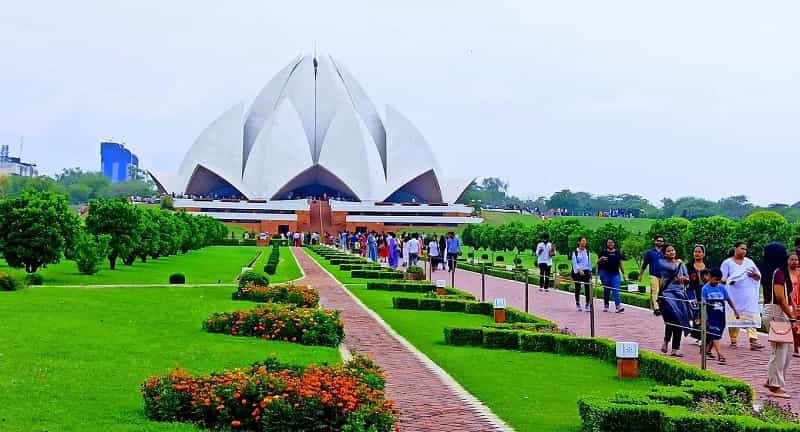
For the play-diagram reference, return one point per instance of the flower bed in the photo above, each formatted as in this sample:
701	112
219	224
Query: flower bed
275	321
275	397
299	295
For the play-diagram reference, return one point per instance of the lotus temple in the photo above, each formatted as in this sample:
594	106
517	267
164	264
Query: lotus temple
313	153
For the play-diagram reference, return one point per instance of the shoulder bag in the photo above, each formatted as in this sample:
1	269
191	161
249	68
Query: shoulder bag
779	331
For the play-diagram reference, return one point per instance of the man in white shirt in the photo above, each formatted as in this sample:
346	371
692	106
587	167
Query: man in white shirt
544	258
413	249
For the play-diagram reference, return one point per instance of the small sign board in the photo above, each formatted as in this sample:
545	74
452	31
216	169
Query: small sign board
633	288
246	269
509	267
440	283
500	303
627	350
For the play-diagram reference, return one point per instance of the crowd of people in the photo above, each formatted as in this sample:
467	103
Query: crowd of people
400	251
731	295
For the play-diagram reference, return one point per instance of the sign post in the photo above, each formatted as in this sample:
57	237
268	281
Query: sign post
499	310
627	360
483	281
440	287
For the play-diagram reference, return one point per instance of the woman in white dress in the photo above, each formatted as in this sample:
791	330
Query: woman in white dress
742	277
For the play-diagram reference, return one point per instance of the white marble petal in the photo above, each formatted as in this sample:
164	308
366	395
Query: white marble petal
350	153
408	155
279	153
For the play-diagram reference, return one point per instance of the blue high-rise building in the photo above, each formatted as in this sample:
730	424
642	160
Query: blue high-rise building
116	160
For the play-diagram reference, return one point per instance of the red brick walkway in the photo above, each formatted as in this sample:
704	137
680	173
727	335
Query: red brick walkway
425	401
633	325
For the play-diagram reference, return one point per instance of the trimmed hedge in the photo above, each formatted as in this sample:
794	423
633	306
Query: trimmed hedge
9	283
34	279
463	336
371	274
405	303
177	279
252	278
401	286
505	339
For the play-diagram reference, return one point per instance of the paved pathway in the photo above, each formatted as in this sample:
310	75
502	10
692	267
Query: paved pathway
633	325
422	395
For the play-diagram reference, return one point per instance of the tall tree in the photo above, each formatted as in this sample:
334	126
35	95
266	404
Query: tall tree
35	228
118	219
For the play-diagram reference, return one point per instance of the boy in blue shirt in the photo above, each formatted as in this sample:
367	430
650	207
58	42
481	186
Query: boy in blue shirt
714	294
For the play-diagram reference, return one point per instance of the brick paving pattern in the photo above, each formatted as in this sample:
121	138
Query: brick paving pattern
633	325
423	399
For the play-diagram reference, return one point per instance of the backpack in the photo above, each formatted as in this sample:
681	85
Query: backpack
575	254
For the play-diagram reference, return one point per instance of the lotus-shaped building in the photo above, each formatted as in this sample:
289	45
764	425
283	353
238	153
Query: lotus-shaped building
312	132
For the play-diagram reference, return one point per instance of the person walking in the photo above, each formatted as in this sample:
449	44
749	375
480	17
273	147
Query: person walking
392	246
693	289
714	295
433	252
777	299
372	244
443	251
609	265
545	251
582	274
651	260
383	249
453	250
672	301
794	272
413	249
741	276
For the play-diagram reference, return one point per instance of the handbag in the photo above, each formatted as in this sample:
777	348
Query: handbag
779	331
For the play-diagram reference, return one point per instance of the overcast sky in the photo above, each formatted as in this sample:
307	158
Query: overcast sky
680	98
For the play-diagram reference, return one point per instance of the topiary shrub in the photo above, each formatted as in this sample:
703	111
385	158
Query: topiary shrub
463	336
430	304
537	342
453	306
177	279
505	339
633	276
563	267
415	270
479	308
252	278
500	258
517	261
485	257
34	279
405	303
9	283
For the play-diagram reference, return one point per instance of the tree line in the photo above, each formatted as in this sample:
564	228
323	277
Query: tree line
493	192
39	228
716	233
78	185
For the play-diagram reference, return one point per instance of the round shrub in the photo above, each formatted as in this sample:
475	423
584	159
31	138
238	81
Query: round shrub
9	282
34	279
414	270
563	267
252	278
634	275
177	279
500	258
518	261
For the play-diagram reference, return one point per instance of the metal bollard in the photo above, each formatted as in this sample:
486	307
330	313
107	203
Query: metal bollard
453	274
483	281
703	336
591	308
525	275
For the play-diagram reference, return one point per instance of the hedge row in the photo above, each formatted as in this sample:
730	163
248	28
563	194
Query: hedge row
279	242
373	274
272	261
401	286
448	305
636	299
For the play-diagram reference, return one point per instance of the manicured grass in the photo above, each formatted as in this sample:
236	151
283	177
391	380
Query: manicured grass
530	391
209	265
287	269
73	358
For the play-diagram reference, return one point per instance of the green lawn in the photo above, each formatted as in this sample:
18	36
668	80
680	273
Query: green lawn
72	359
530	391
287	269
209	265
